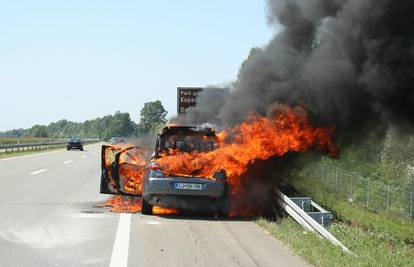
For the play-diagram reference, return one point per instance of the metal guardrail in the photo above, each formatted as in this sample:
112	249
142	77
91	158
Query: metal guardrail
37	146
31	146
303	218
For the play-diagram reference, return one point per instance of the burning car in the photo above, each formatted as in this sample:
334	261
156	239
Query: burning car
193	168
184	190
129	170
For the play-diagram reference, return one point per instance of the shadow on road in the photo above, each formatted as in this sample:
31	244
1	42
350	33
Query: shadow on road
99	207
205	218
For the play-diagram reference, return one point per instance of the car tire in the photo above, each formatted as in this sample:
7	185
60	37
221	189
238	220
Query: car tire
68	148
146	208
223	210
81	149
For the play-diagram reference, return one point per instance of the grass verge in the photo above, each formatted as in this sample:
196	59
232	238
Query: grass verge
374	238
370	248
392	229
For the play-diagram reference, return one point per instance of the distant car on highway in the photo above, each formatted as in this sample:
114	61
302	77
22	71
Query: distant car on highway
116	140
75	143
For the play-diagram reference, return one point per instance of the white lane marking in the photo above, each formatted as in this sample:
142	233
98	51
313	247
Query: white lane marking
83	156
152	223
28	156
120	251
37	172
67	162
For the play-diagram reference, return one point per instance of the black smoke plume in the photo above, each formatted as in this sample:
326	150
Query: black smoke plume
349	63
346	61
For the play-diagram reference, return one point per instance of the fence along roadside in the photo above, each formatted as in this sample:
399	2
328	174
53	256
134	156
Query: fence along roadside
374	195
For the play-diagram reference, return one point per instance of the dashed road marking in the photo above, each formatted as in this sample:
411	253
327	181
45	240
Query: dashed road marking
67	162
33	155
120	251
37	172
83	156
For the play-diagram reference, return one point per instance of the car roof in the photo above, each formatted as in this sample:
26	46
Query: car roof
188	130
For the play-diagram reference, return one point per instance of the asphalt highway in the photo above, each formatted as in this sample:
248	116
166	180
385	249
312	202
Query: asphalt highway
50	215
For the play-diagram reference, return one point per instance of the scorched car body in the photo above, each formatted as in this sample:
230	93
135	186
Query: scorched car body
189	192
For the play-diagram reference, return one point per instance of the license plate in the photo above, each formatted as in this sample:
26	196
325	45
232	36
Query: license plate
188	186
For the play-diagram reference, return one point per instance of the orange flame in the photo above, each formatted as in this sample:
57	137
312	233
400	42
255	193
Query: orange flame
123	204
131	170
157	210
133	205
131	165
258	138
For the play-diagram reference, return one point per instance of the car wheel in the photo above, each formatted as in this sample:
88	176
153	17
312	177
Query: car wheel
68	148
81	149
224	208
146	208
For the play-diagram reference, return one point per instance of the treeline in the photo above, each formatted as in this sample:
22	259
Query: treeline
119	124
153	115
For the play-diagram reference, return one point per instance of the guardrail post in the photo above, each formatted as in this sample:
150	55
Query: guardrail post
323	175
368	189
388	198
411	206
336	179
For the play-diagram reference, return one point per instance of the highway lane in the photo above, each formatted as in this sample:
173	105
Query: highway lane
49	218
182	241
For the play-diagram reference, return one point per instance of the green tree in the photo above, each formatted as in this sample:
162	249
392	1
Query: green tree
119	124
252	53
153	116
38	131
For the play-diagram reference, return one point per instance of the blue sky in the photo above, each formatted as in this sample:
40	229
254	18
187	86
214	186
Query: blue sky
79	60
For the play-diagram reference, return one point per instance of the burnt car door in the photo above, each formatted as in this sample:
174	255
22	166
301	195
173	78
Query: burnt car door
109	185
122	169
